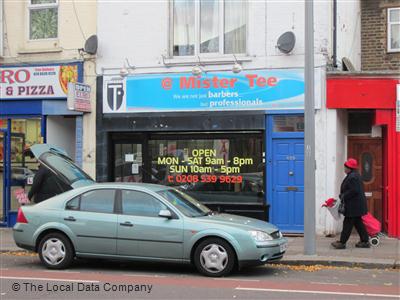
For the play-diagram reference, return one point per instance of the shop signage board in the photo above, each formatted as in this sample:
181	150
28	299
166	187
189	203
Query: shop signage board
37	82
79	97
212	91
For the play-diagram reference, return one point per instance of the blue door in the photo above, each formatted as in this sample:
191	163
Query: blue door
287	203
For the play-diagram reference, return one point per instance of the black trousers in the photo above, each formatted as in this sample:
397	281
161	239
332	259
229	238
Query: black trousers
348	224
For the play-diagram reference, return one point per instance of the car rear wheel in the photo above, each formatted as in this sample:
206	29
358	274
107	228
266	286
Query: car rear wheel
55	251
214	257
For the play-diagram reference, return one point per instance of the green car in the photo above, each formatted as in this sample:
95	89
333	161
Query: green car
143	222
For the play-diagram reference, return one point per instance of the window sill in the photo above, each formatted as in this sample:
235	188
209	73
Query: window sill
38	51
205	61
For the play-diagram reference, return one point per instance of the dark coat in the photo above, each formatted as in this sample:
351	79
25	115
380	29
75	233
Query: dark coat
352	193
45	185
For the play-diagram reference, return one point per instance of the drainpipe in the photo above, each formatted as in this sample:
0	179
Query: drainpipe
334	56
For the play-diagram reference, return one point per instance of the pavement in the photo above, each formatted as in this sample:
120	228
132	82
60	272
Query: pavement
385	255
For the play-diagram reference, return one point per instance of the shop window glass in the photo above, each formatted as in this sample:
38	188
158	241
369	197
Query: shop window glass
24	133
128	165
288	123
220	170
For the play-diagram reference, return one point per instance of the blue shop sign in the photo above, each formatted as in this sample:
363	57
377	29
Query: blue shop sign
248	90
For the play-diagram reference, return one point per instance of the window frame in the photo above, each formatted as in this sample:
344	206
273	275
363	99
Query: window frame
42	6
197	29
389	32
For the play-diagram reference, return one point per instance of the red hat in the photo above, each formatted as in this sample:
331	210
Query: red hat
351	163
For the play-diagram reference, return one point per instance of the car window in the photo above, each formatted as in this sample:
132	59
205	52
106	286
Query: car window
98	201
140	204
73	204
186	204
69	170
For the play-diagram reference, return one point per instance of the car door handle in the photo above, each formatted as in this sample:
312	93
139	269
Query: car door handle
72	219
128	224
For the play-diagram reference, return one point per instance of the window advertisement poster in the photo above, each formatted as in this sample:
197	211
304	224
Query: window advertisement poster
37	82
216	170
212	91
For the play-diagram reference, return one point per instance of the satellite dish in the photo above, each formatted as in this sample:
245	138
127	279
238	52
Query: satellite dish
91	45
286	42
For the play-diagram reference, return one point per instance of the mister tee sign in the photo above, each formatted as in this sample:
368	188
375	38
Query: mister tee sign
249	90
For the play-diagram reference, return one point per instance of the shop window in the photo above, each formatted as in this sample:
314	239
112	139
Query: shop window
393	29
212	26
218	170
288	123
360	122
43	19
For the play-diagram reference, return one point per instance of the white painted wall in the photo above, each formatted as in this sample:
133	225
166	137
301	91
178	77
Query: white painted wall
139	31
61	132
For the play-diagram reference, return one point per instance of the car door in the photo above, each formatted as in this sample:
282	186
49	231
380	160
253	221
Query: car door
91	218
141	232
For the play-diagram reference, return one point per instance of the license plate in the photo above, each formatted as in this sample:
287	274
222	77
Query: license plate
283	247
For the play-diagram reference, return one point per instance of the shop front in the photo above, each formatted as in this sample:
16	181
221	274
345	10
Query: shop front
33	109
220	137
370	103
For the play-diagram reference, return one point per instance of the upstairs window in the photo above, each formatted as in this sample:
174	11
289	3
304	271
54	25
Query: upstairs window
209	26
393	30
43	19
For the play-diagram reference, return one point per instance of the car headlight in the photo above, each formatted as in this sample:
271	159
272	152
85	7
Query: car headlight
260	236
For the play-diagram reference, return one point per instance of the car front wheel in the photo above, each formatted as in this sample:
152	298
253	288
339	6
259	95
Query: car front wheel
214	257
55	251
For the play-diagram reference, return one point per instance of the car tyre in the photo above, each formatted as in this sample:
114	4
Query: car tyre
214	257
56	251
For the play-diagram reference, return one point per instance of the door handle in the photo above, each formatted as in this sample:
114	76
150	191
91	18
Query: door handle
72	219
291	188
128	224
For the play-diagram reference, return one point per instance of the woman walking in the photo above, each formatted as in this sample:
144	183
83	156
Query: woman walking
355	206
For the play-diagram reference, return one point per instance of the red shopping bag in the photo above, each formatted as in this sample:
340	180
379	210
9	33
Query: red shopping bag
372	225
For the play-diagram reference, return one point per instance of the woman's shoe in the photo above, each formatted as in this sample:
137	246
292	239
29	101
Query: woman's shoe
363	245
338	245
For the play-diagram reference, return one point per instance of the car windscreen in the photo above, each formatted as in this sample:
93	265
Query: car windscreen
184	203
65	167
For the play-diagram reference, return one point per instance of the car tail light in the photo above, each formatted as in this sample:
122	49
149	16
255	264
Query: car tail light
21	217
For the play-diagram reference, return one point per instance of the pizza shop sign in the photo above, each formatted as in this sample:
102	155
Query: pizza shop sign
42	82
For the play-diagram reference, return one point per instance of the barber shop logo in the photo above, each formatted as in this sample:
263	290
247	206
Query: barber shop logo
115	95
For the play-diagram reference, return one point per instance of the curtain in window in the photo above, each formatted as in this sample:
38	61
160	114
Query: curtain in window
184	34
209	26
235	27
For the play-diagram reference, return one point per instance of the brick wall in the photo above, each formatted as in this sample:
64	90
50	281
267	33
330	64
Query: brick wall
374	55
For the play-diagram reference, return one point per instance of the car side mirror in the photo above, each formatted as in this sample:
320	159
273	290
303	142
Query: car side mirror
165	213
